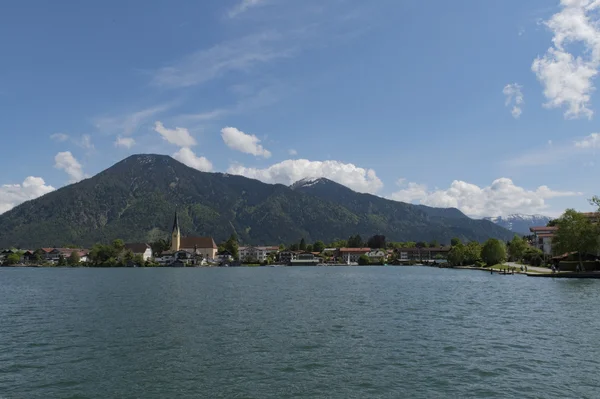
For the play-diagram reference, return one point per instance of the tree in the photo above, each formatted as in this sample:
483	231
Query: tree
12	259
551	223
516	248
62	261
127	258
472	252
364	260
434	244
74	258
355	242
309	248
455	241
138	260
302	245
421	244
118	244
456	256
159	246
232	246
575	233
493	252
377	241
319	246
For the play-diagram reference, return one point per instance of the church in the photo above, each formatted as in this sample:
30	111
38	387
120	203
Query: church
203	246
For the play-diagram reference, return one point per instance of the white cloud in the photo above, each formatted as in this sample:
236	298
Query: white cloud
246	143
243	6
125	142
292	152
554	153
501	198
290	171
591	141
67	162
179	136
567	78
236	55
12	195
60	137
187	157
86	142
514	97
128	124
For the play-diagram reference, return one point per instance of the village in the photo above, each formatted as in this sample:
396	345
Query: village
189	251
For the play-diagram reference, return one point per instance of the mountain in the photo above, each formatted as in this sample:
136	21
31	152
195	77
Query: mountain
520	224
136	198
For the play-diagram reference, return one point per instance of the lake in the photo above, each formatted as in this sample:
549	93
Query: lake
296	332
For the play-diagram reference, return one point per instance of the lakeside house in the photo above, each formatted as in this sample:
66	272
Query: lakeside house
377	256
542	238
142	249
259	254
422	254
351	255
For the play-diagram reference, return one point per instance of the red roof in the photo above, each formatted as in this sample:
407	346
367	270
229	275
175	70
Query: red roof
546	235
200	242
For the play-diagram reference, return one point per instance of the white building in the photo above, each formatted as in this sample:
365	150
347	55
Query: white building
142	249
256	253
542	238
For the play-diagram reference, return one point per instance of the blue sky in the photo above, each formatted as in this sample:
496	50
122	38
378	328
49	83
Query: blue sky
486	106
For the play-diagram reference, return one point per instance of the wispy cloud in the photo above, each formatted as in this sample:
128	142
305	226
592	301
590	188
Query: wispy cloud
244	6
127	124
554	153
236	55
60	137
124	142
514	98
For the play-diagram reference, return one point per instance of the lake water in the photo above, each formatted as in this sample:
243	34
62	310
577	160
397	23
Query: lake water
320	332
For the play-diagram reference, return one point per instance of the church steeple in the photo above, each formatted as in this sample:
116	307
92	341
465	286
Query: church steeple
175	234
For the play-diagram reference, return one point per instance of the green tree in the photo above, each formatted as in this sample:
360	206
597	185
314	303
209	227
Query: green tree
455	241
493	252
517	248
62	261
118	245
159	246
364	260
12	259
74	258
456	256
127	258
232	246
434	244
302	245
309	248
293	247
575	233
472	252
319	246
138	260
377	241
356	242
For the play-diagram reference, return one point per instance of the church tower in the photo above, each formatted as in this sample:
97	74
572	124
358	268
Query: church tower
175	235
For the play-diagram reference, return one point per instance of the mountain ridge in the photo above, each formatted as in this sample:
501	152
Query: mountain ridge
135	200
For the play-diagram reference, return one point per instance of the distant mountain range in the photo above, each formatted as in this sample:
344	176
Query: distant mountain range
136	198
520	224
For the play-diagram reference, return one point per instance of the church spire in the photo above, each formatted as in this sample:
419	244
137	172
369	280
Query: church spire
176	223
175	234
